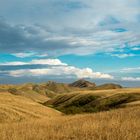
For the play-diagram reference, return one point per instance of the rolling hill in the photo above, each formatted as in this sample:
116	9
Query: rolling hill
27	113
107	86
38	92
15	108
94	101
44	91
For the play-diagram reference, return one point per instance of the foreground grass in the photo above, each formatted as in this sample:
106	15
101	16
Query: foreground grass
120	124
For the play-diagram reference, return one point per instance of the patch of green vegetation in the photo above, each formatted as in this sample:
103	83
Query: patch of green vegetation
91	103
13	91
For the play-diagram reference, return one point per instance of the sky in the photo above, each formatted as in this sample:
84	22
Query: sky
43	40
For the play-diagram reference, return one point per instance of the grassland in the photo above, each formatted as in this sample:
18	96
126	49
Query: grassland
15	108
24	117
121	124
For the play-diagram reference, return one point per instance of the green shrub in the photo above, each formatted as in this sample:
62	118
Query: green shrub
13	91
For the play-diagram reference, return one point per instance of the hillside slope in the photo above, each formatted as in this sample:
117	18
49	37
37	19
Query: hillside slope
107	86
82	84
94	101
15	108
38	92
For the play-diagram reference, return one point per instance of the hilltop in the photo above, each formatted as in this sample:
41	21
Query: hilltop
82	84
108	86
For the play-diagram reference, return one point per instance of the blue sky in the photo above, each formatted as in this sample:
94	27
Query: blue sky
71	39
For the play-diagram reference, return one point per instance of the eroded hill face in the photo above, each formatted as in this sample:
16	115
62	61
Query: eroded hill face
82	84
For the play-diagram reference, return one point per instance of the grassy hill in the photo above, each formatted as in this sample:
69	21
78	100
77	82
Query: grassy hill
18	108
94	101
22	117
44	91
120	124
38	92
107	86
82	84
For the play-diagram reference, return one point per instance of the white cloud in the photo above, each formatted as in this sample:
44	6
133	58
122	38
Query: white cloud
61	71
29	54
131	79
23	55
136	48
16	63
123	55
47	62
57	68
128	70
62	32
36	61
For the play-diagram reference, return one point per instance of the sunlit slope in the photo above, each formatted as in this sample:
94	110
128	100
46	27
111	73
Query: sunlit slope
95	101
24	90
38	92
17	108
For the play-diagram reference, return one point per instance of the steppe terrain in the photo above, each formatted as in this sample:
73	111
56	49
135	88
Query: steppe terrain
39	112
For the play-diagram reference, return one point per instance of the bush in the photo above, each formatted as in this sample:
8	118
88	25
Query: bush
13	91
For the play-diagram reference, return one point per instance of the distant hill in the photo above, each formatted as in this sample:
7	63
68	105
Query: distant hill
44	91
38	92
58	87
107	86
82	84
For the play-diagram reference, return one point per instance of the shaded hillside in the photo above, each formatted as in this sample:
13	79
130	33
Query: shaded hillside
82	84
94	101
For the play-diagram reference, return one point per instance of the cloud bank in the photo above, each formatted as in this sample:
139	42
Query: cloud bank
54	68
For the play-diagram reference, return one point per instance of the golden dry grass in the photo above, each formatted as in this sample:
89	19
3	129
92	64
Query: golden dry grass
109	92
23	119
122	124
15	108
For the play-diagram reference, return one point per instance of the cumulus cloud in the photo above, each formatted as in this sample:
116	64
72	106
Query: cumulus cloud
61	71
56	68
